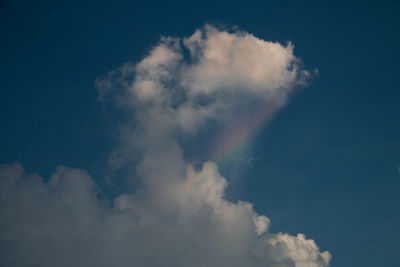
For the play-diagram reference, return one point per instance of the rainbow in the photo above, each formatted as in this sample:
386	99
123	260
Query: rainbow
240	135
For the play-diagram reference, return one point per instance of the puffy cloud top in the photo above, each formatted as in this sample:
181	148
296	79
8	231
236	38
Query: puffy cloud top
229	61
220	72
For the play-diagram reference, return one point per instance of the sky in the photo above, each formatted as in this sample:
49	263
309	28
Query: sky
226	126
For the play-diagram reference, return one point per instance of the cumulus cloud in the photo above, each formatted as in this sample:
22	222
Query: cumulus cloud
179	216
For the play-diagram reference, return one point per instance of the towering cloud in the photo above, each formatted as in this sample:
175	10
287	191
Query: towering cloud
179	216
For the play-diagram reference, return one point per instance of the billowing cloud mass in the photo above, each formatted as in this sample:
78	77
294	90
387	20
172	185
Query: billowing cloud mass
178	216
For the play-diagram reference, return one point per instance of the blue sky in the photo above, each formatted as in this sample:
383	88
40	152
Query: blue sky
327	163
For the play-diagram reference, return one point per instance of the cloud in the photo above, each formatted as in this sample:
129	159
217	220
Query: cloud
179	216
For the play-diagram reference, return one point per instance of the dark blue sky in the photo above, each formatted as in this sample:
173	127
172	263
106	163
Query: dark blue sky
328	162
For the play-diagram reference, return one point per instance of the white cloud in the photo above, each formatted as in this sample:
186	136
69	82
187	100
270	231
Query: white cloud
223	72
225	61
64	223
179	217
